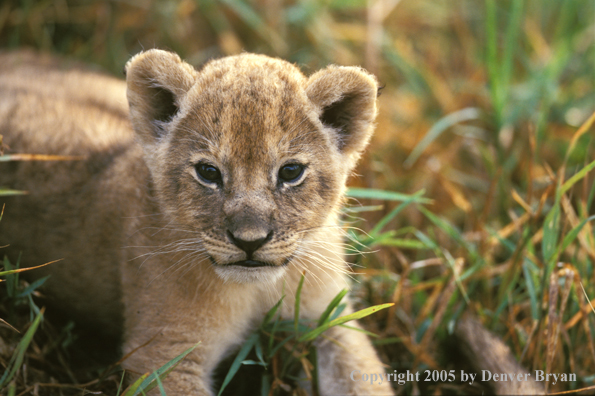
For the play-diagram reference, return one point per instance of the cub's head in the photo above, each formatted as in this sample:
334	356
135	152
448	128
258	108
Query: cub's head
248	155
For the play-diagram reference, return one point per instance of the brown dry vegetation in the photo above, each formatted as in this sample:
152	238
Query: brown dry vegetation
488	107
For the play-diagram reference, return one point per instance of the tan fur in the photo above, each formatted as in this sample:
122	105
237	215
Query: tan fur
485	351
147	243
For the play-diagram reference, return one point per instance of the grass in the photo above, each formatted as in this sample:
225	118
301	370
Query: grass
286	346
485	131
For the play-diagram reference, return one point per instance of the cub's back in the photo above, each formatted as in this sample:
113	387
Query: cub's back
72	208
55	107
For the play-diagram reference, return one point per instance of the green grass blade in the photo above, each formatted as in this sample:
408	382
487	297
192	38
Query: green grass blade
371	193
506	294
338	311
160	386
273	331
393	213
372	240
4	192
412	75
158	375
347	4
254	20
247	14
388	340
32	287
17	270
401	242
309	336
428	242
235	366
532	292
269	316
510	44
492	59
12	389
298	295
38	157
17	358
13	280
280	345
571	236
450	230
265	385
576	177
313	356
359	329
467	114
358	209
121	383
9	272
132	389
591	196
332	305
551	230
259	354
451	261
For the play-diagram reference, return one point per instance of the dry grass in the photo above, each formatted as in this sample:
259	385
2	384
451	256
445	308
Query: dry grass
487	107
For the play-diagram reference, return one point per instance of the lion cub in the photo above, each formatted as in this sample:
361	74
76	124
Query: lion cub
197	204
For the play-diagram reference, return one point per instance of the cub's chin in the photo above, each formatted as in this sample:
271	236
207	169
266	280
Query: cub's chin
250	271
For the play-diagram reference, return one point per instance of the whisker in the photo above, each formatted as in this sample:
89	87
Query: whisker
186	257
192	260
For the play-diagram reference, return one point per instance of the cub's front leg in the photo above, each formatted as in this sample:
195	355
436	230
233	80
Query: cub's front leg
341	352
343	356
163	320
192	376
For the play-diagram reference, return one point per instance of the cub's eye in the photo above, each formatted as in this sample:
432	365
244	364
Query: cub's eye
208	173
290	172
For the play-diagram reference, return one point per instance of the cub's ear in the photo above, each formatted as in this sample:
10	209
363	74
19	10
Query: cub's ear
157	83
346	98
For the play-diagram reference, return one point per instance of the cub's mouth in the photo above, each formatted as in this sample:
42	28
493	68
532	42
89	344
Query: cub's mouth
251	264
250	271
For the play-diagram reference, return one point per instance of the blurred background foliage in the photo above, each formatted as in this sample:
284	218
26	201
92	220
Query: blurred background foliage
487	106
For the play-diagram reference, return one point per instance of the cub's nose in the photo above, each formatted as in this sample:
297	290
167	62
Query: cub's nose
249	246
